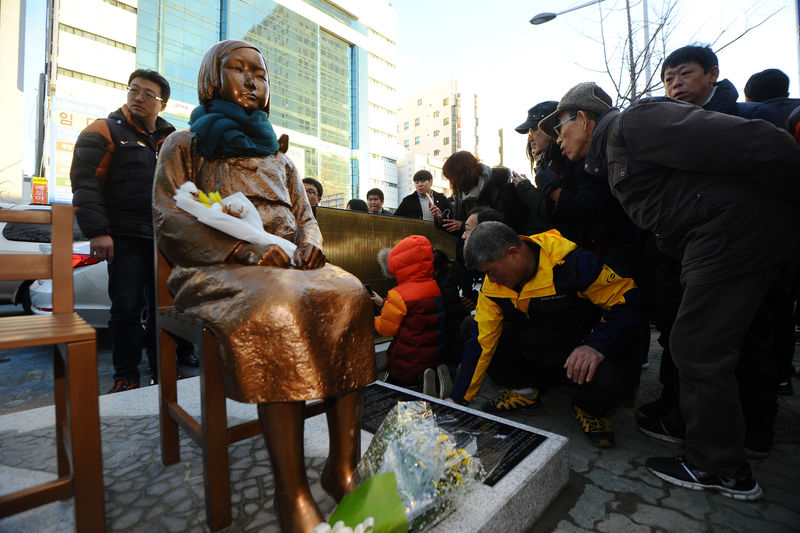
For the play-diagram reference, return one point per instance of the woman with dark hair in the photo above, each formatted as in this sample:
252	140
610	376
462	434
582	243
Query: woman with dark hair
474	184
288	334
545	157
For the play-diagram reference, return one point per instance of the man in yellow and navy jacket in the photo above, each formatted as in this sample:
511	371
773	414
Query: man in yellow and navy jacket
549	313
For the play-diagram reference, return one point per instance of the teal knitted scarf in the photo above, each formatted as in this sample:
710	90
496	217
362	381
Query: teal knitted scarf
223	128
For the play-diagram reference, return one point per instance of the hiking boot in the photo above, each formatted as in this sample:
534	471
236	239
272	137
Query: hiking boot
124	384
429	382
678	471
445	381
660	408
509	400
597	430
661	429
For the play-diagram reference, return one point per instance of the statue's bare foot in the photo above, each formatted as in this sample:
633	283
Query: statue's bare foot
298	514
337	479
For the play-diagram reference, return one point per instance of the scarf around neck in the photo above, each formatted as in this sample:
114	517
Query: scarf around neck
224	128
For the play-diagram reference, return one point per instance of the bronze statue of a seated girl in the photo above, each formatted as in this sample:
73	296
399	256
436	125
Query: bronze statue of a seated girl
288	334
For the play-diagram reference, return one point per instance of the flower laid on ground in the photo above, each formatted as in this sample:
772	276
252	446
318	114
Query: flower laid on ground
411	468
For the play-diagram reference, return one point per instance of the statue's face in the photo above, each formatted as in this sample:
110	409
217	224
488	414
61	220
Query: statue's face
243	79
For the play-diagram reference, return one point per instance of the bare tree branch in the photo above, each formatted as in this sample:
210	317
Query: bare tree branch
626	61
746	31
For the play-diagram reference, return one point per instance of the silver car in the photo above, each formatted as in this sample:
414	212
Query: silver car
90	287
90	276
20	239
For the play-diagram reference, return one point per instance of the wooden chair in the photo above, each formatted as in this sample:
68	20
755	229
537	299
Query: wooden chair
211	432
80	462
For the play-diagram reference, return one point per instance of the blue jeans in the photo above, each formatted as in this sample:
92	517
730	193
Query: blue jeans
131	287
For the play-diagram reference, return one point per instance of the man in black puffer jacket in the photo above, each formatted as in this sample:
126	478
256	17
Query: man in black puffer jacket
690	75
112	184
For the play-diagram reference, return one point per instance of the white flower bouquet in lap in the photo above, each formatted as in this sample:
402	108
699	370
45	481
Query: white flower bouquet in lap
235	215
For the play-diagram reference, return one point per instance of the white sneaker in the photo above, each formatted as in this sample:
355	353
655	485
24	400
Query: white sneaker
429	382
445	381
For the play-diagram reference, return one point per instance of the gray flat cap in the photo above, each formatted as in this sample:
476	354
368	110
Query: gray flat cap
586	96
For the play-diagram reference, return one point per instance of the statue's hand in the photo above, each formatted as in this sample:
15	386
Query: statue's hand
266	255
309	257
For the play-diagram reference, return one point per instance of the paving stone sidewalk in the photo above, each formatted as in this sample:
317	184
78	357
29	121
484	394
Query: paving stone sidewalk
609	490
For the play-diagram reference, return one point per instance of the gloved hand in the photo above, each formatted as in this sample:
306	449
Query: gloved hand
546	180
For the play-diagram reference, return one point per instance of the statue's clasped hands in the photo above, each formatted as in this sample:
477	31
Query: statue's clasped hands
306	257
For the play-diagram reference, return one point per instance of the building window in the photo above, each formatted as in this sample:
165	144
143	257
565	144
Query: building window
416	122
120	5
405	126
91	79
435	114
419	102
96	38
435	133
416	140
406	143
436	152
446	101
446	121
445	141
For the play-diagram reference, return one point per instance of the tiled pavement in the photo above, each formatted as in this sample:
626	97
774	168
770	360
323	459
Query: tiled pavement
609	490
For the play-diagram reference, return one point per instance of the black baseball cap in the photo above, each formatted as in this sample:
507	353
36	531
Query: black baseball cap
535	114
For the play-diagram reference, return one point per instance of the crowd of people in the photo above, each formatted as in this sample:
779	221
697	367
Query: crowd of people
679	211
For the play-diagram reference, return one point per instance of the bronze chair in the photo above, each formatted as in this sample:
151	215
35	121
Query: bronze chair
80	462
211	432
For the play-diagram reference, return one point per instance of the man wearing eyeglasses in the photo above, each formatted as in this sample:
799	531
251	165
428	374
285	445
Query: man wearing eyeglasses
579	198
313	193
720	193
112	181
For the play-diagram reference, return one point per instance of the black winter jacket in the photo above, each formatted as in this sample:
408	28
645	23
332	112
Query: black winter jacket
783	107
112	175
410	207
720	192
603	227
724	101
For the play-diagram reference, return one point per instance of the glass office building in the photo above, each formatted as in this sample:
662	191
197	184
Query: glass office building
310	71
339	117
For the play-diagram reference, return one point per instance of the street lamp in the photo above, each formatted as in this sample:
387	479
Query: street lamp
541	18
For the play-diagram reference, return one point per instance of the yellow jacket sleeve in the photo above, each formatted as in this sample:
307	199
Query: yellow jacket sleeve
490	325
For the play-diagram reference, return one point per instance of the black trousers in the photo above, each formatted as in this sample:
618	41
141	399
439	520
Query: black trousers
515	365
131	287
720	327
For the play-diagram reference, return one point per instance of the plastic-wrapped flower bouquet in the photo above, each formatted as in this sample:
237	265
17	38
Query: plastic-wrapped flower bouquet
411	476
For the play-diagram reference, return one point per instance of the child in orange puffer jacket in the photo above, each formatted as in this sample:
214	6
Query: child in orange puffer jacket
412	312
